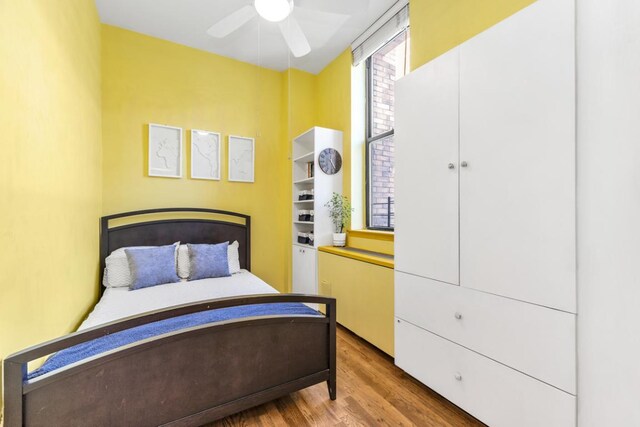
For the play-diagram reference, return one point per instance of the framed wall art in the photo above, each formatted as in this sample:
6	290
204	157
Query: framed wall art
165	151
205	155
241	159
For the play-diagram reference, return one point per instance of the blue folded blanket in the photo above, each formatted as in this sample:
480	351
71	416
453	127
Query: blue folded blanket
118	339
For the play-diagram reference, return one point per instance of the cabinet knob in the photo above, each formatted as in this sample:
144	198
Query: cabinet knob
451	166
458	315
464	164
458	376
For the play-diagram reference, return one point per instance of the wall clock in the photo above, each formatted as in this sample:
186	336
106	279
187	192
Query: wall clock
330	161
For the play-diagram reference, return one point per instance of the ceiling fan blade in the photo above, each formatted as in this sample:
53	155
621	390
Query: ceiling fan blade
348	7
230	23
295	38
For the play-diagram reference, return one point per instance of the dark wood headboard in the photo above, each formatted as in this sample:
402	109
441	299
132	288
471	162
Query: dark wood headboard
168	231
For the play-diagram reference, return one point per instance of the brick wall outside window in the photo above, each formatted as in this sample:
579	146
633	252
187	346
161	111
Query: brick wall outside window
386	66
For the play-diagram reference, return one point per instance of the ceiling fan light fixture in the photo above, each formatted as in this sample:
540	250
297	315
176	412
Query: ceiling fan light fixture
274	10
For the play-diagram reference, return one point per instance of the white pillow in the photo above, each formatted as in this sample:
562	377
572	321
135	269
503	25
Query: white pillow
234	257
116	271
184	265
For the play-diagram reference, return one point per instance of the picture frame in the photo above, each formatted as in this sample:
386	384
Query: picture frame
241	155
205	155
165	151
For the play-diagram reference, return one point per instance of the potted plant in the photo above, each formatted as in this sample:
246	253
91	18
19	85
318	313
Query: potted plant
340	213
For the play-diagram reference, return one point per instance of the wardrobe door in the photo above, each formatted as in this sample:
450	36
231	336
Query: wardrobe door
426	176
517	137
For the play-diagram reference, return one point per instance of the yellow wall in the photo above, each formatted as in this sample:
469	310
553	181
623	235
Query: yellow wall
150	80
301	110
334	107
50	179
299	114
440	25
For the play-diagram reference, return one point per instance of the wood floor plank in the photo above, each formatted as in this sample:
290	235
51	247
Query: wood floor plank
372	391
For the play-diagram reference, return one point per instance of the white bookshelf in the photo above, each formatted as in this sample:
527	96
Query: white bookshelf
306	148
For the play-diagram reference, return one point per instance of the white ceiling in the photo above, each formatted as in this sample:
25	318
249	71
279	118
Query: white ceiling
330	27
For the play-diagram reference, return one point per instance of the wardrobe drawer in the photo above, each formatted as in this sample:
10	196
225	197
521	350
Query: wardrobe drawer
490	391
535	340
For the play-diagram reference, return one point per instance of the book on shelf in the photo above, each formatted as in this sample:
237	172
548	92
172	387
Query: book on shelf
309	169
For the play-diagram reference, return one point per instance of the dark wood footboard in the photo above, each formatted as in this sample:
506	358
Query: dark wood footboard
183	378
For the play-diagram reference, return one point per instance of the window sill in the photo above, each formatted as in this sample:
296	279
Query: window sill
370	257
373	234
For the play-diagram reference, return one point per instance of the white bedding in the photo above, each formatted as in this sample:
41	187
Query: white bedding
117	303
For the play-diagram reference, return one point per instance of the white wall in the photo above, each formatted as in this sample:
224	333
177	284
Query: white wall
608	212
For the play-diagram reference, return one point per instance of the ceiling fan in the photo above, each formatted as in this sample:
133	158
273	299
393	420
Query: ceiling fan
280	12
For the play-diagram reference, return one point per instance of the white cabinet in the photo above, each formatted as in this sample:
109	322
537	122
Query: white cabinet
304	270
608	81
517	135
485	195
485	221
530	338
312	189
496	394
426	181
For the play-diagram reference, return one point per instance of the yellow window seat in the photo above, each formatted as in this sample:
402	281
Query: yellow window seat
362	283
377	258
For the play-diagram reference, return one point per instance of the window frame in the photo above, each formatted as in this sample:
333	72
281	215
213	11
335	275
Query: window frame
370	138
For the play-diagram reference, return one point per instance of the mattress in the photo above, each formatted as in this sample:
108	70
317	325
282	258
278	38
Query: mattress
118	303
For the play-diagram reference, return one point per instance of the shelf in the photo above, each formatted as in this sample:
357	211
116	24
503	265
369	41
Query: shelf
306	137
303	201
303	222
304	158
304	181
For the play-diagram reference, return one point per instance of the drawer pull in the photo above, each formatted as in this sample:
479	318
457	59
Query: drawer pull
458	315
458	376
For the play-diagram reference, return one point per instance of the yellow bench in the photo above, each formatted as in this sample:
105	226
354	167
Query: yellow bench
362	283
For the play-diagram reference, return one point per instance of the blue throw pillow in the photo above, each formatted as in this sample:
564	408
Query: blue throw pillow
208	261
152	266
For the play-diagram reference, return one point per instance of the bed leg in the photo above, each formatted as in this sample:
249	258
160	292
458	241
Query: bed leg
14	375
331	383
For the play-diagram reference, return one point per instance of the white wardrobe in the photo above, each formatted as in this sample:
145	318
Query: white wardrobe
485	235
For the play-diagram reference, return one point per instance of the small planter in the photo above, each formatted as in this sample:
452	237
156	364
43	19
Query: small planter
339	239
340	213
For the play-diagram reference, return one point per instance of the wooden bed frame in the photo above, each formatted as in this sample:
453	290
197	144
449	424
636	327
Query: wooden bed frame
184	378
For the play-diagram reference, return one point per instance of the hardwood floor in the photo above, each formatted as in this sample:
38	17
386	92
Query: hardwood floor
372	391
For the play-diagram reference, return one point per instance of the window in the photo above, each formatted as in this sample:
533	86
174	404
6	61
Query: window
384	67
